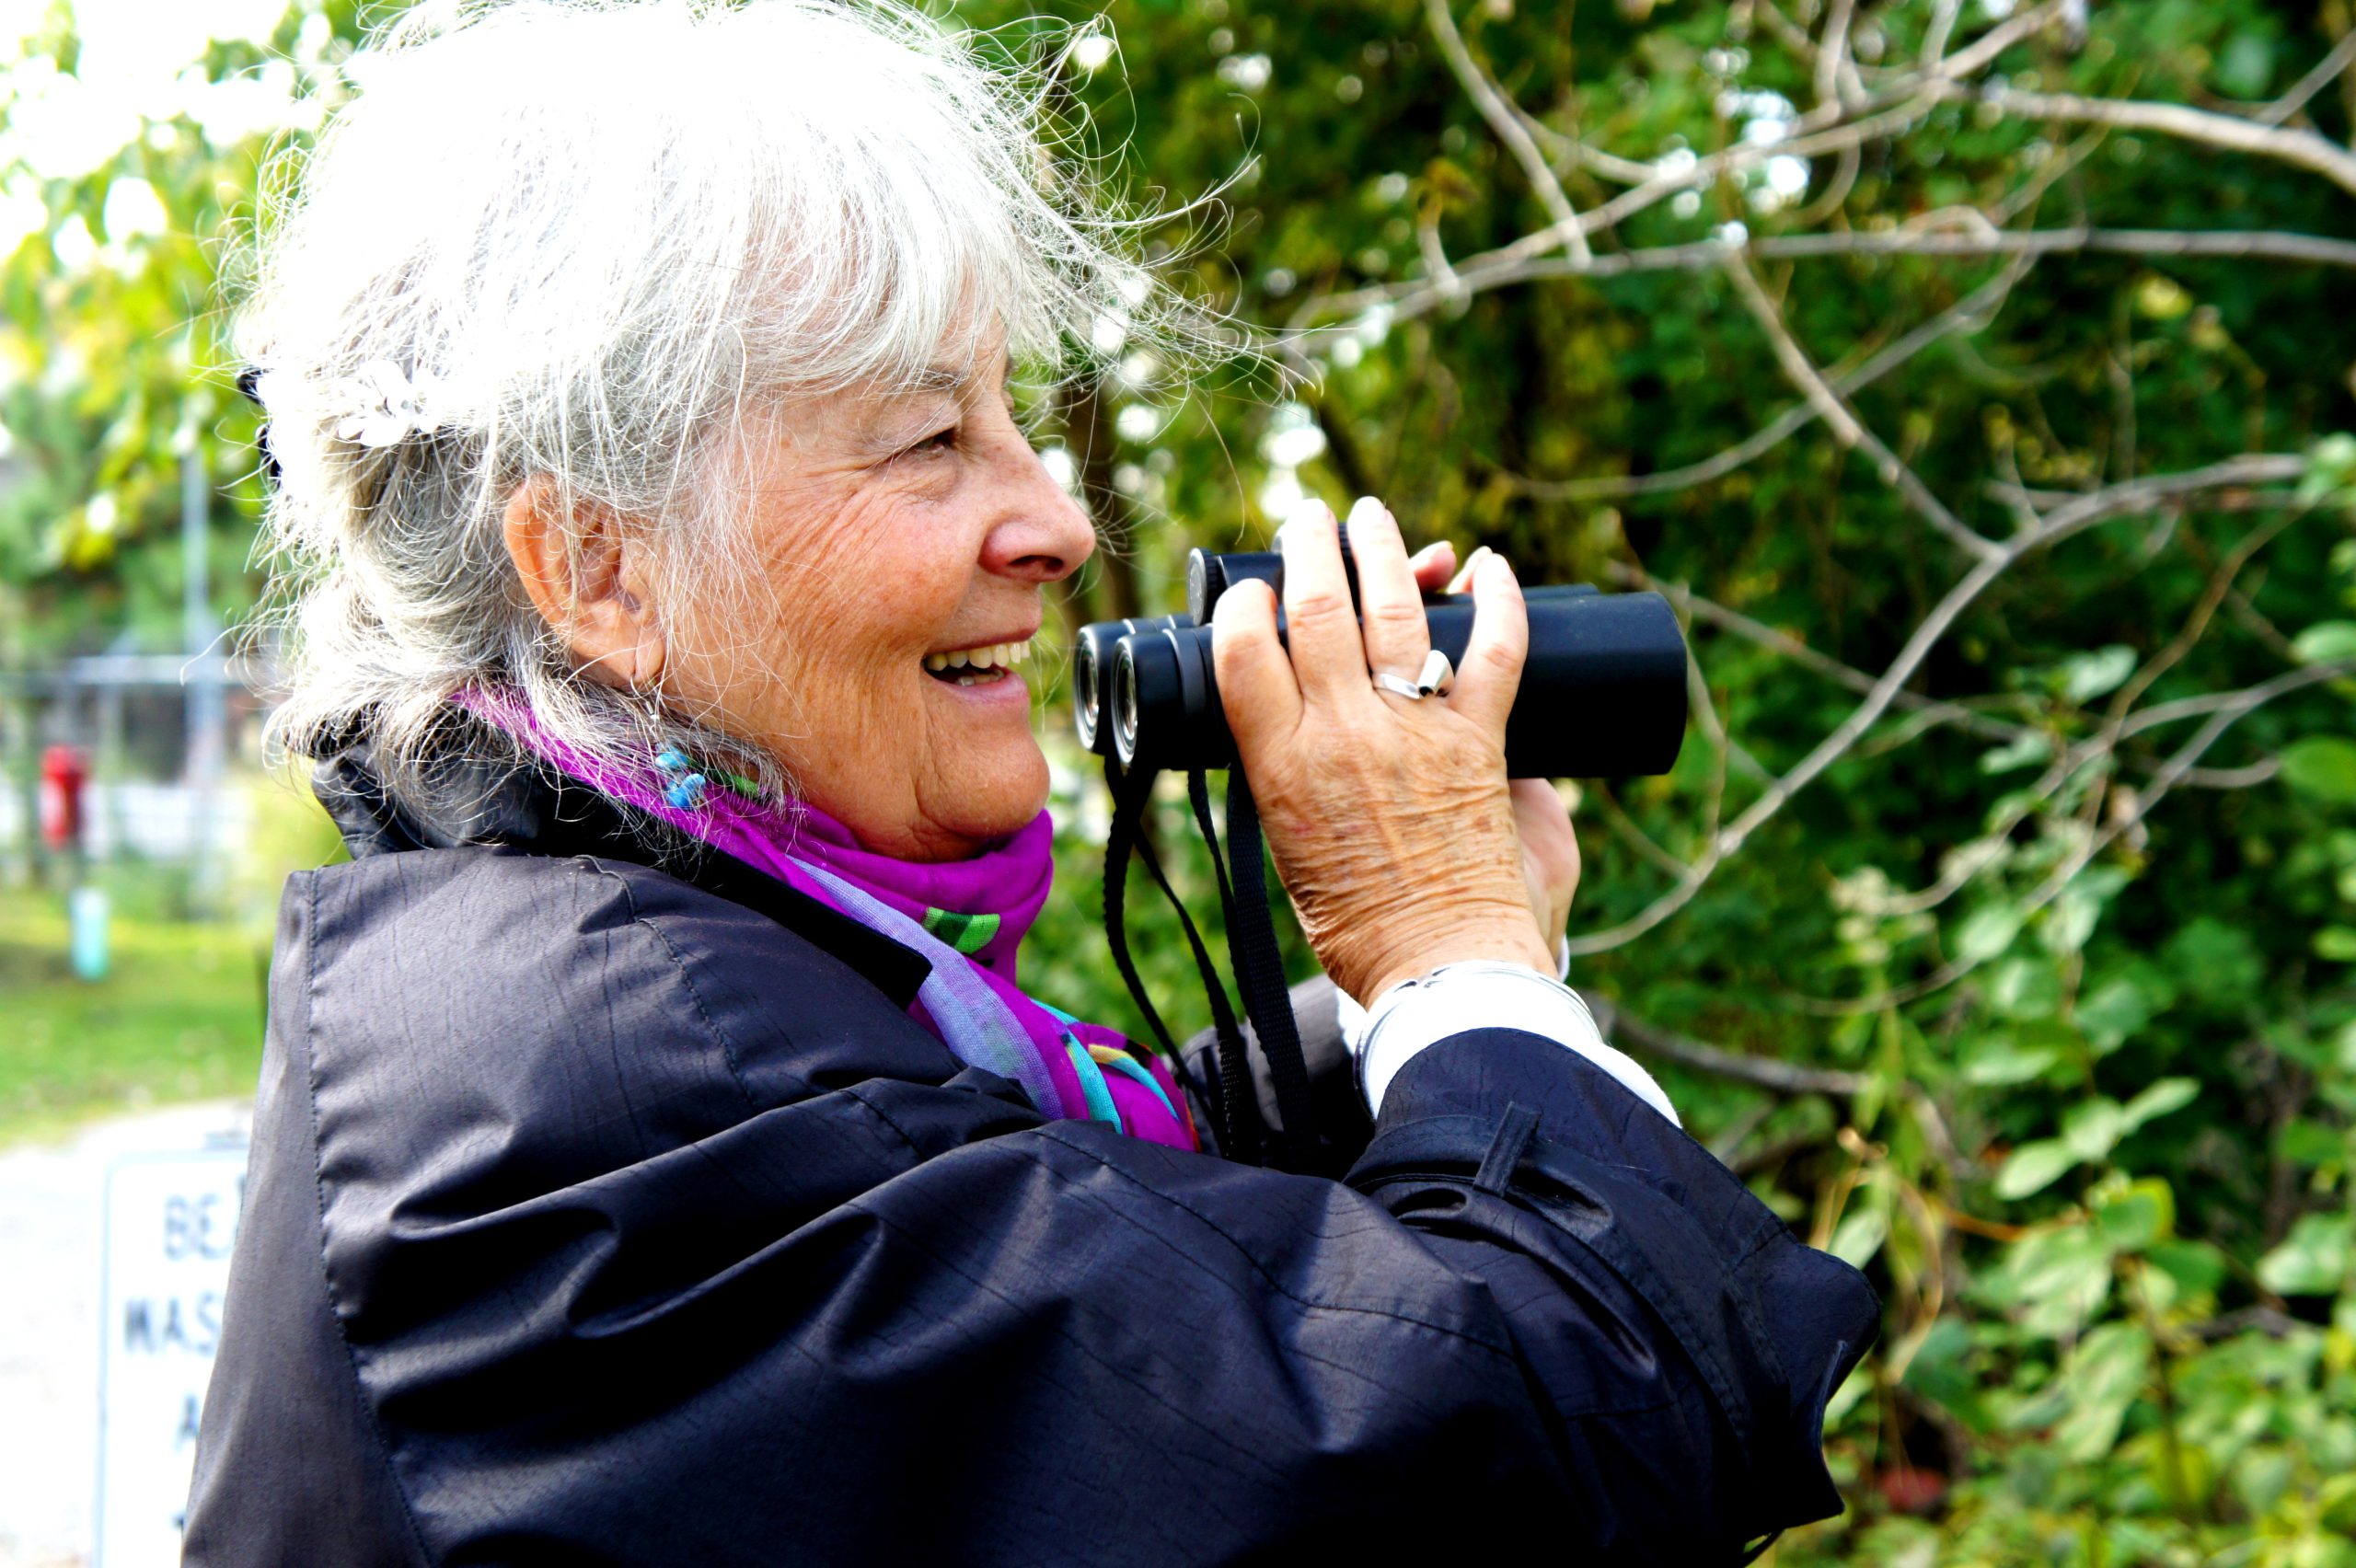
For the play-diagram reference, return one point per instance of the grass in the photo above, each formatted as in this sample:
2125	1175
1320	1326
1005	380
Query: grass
179	1017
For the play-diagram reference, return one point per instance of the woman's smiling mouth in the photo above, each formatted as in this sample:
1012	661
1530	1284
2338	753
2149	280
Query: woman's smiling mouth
985	665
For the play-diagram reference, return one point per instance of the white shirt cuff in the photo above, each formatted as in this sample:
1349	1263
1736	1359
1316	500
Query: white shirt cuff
1458	998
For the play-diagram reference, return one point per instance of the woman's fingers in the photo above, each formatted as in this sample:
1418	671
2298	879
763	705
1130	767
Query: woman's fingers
1491	672
1463	580
1390	606
1328	654
1550	853
1433	565
1255	680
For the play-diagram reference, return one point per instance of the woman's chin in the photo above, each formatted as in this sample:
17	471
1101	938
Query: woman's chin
1006	788
958	805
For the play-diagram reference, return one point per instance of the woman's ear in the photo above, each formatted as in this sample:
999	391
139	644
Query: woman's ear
585	573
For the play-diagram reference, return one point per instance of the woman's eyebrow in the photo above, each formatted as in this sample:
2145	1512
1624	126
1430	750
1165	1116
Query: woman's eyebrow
956	379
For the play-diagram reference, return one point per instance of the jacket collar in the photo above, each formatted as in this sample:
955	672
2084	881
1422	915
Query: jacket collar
475	794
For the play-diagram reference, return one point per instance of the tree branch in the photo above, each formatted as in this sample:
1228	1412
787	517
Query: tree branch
1760	1072
1850	430
1495	108
1494	270
2061	522
2343	55
1971	313
2301	149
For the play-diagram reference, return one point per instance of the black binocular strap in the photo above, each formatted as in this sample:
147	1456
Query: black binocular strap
1238	1130
1121	838
1252	950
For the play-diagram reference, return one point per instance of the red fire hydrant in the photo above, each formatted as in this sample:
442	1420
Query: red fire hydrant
64	771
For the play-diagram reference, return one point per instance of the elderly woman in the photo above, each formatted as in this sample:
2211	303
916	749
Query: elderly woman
658	1156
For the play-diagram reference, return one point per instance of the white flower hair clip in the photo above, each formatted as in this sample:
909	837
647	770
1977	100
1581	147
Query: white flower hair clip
381	406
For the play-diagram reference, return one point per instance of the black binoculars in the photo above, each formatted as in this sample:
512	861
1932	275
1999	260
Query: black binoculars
1602	692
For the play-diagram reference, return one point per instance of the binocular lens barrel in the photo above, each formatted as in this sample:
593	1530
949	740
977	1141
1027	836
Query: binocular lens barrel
1602	692
1091	666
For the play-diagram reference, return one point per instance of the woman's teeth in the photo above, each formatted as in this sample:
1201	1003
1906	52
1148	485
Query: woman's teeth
972	666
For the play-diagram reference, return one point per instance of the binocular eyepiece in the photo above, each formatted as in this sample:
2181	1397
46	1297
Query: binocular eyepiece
1602	694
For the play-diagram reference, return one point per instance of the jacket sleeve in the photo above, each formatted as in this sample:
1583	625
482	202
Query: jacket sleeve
660	1237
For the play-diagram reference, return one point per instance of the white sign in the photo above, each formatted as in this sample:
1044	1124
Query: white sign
171	1221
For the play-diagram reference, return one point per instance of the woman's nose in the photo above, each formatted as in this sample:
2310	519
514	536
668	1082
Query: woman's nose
1041	535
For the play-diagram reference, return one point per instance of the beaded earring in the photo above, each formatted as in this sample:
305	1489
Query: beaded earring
683	787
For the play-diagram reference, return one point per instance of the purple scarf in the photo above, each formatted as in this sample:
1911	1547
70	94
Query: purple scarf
967	917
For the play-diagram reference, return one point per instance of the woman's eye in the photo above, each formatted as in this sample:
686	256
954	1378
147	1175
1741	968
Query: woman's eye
940	441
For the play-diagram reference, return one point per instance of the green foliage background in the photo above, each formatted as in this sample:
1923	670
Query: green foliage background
2092	1133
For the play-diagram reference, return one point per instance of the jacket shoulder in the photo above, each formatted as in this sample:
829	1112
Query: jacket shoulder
570	1015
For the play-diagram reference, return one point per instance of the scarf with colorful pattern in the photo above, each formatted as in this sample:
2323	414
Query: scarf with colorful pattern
966	918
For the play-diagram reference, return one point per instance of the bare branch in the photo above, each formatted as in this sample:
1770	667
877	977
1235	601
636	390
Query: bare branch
1832	67
2226	709
1794	38
1565	146
2343	56
1968	314
1616	818
2060	523
2301	149
1850	430
1792	648
2160	713
1762	1072
2142	495
2230	244
1415	297
1942	28
2236	706
1491	102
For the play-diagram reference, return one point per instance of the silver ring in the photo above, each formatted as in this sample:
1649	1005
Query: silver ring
1439	676
1397	685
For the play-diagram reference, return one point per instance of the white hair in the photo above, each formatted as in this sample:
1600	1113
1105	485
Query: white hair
613	231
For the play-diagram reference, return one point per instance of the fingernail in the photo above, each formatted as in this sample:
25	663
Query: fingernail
1366	509
1304	514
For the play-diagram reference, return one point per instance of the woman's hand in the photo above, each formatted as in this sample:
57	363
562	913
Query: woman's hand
1550	849
1391	820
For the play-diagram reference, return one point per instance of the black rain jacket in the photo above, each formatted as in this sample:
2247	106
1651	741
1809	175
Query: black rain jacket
603	1213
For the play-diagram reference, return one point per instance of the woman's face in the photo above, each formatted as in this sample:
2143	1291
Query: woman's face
902	540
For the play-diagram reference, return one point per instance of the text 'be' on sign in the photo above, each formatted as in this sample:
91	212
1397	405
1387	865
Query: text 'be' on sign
171	1221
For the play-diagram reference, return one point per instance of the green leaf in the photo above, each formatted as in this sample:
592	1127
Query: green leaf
2026	988
2086	677
2331	465
2304	1143
2070	920
2116	1011
2325	643
2337	943
2104	1376
2031	747
1995	1060
1860	1234
2141	1215
2032	1168
2215	961
2057	1280
2322	766
2158	1100
2091	1129
1987	932
2195	1268
2313	1260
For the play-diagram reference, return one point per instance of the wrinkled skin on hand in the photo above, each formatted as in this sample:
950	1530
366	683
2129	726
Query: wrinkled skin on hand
1393	822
